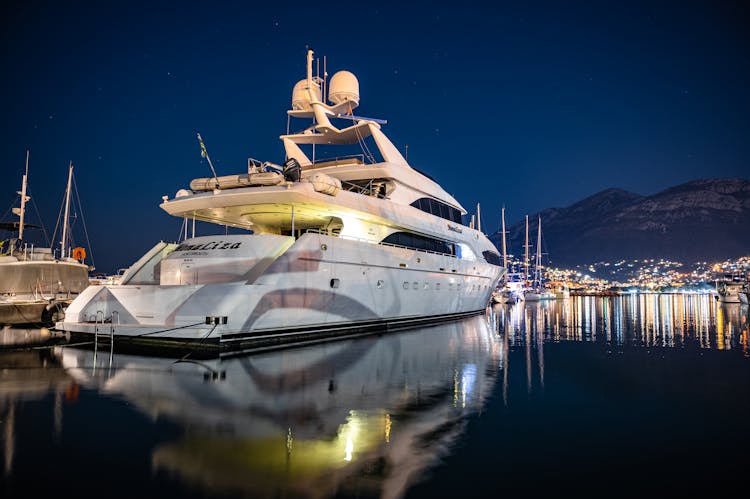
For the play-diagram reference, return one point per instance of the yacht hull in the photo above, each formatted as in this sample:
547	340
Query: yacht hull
321	286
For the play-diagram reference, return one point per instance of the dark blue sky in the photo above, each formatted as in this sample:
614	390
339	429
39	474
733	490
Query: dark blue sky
527	104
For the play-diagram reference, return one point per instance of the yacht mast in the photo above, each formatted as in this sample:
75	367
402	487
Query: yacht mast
64	240
24	198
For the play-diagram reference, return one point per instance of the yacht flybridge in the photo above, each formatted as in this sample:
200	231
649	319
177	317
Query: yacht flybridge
334	246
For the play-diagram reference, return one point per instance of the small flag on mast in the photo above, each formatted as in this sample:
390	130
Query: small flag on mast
203	147
204	154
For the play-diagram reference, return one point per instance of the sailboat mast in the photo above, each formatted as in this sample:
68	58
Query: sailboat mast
526	253
22	212
505	254
67	212
538	272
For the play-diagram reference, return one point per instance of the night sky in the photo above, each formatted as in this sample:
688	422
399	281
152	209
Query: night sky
530	105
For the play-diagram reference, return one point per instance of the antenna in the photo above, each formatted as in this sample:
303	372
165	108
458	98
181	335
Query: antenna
204	154
479	218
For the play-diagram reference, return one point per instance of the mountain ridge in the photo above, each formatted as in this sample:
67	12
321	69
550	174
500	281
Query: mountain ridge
704	219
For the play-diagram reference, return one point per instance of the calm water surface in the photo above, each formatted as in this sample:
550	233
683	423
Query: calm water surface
645	395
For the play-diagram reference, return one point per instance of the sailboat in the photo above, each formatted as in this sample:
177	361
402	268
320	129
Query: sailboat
35	283
537	291
510	288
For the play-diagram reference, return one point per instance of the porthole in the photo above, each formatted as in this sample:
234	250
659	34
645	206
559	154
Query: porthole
324	247
406	285
380	283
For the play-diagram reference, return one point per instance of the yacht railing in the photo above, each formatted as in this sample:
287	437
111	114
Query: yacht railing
25	252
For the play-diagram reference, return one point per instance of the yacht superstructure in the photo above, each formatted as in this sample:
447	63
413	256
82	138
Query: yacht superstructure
336	246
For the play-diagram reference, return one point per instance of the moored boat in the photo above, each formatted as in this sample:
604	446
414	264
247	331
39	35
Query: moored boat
332	247
730	289
36	284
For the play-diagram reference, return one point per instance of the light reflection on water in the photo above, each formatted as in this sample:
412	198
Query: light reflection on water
650	320
377	417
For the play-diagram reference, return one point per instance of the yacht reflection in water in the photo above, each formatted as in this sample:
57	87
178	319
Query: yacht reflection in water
353	416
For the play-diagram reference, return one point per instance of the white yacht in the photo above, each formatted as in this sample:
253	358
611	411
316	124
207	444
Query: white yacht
35	283
333	246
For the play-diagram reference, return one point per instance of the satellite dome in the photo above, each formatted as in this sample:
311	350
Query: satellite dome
344	87
301	97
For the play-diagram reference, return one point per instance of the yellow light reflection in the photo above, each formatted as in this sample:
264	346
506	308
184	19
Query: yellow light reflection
349	448
350	432
387	428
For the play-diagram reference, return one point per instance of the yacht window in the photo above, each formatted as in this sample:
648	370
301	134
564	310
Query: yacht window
444	213
435	207
419	242
492	258
466	252
149	271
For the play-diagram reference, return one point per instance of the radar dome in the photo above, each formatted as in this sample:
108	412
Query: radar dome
301	97
344	87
